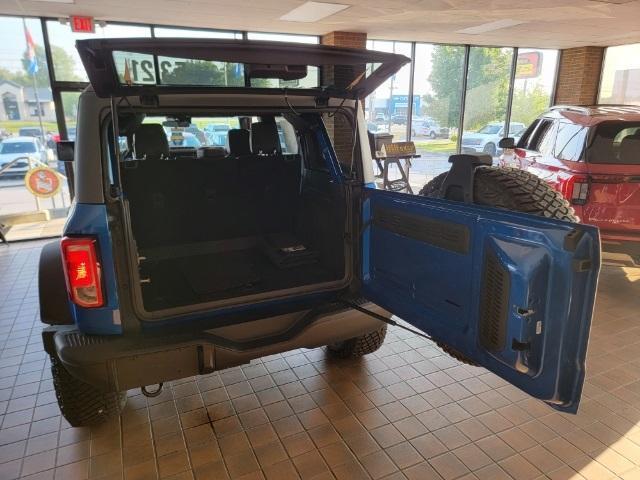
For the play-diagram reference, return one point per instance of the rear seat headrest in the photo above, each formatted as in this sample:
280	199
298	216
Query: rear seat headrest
239	139
264	138
630	149
150	142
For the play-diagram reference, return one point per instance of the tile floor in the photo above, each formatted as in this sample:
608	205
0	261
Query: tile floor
407	411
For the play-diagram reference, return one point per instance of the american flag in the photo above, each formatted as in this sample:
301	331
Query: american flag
31	52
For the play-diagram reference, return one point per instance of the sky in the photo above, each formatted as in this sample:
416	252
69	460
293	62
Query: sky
13	43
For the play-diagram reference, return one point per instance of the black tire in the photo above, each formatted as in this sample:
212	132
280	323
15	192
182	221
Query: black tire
80	403
490	149
432	135
510	189
359	346
54	299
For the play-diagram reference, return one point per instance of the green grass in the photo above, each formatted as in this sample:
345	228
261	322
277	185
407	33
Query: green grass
13	126
436	146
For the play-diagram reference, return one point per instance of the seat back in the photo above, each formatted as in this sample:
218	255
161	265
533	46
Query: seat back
150	142
239	142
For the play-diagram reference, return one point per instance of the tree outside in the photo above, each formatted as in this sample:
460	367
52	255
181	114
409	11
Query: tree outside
196	72
487	88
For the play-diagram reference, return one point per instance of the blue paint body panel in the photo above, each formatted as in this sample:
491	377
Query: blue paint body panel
551	289
91	219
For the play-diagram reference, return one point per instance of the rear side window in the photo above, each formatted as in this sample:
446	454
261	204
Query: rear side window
539	136
615	143
570	142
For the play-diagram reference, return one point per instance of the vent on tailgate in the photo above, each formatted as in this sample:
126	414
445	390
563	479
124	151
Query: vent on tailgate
494	303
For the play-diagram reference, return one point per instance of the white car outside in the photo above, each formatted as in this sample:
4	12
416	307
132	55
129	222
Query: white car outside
24	150
486	139
425	128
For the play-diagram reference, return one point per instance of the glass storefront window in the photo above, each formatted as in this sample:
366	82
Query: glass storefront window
67	65
439	74
487	95
620	83
387	108
283	37
533	87
313	74
28	133
70	109
193	33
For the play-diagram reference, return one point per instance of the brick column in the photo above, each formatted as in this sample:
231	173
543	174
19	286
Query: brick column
341	76
579	75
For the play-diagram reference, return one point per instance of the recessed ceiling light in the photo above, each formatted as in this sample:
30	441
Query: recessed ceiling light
313	11
54	1
491	26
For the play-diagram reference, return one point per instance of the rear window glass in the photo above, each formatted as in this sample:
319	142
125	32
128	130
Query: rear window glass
570	141
197	133
17	147
615	143
141	69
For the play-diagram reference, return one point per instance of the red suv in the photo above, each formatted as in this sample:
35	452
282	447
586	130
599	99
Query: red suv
592	156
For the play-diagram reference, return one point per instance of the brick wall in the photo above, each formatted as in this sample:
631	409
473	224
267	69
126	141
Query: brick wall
579	75
341	76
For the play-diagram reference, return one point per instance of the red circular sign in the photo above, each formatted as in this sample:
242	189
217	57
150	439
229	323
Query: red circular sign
42	182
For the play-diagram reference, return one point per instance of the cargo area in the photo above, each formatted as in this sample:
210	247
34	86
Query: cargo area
241	219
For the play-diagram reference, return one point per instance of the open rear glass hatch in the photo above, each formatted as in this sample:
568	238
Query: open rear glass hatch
130	66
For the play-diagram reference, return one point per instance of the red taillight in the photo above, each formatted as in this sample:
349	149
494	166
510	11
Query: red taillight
575	188
82	270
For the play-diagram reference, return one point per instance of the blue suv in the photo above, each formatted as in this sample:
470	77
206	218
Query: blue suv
184	260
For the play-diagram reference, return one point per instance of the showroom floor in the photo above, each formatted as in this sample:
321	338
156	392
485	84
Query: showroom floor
408	411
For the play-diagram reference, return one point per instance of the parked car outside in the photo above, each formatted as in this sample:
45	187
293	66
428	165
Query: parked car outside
173	266
427	127
217	134
30	132
23	150
399	118
487	138
199	134
380	118
71	133
592	156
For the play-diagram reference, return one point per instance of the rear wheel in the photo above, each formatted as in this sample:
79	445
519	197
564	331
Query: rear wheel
359	346
510	189
80	403
490	149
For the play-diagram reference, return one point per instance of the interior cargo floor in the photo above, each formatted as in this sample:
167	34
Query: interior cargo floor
194	279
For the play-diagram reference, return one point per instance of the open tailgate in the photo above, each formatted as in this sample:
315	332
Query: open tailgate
109	79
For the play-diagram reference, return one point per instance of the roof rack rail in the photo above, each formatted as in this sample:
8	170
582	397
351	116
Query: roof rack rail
574	108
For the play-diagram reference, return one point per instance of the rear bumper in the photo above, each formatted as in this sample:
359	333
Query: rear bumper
120	363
